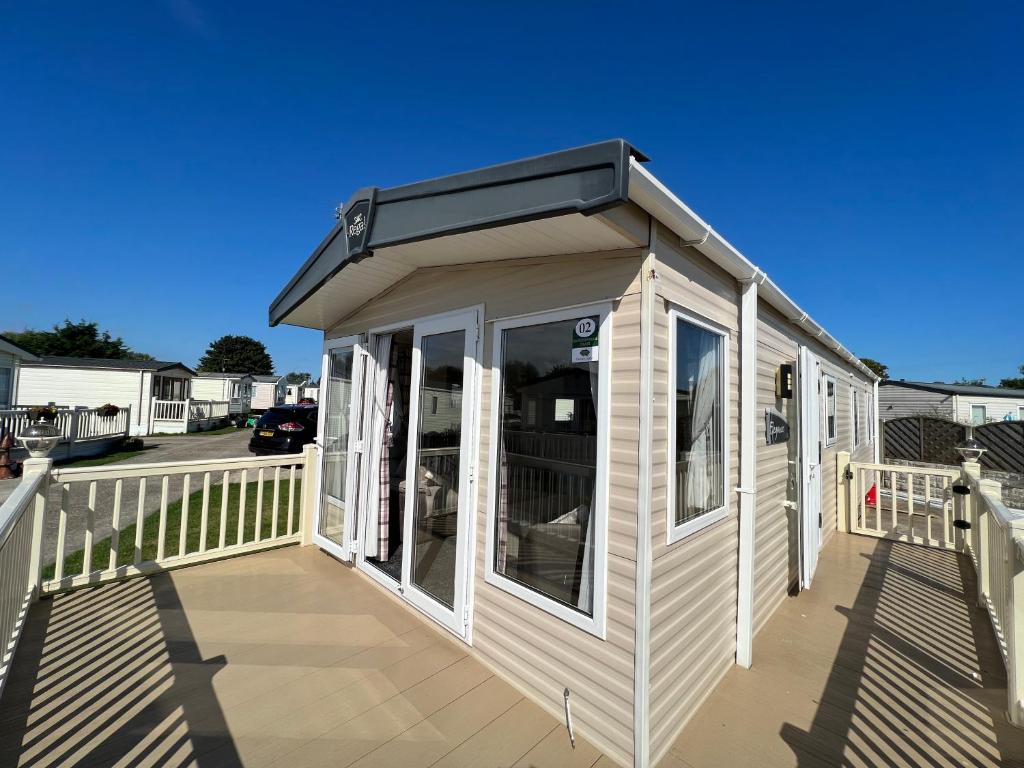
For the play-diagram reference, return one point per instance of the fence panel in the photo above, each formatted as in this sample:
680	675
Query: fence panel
1005	443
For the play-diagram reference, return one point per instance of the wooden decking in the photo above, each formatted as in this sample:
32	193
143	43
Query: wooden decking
285	658
886	661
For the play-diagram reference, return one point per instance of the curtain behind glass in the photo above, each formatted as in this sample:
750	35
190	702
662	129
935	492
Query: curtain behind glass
698	434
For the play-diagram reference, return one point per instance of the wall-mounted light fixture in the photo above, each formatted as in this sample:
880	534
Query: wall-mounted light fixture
784	382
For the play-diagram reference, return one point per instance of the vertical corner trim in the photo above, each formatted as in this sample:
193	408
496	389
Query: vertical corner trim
748	473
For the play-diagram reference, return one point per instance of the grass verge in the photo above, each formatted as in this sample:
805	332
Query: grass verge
73	561
98	461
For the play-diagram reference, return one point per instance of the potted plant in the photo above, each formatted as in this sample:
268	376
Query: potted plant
44	413
108	411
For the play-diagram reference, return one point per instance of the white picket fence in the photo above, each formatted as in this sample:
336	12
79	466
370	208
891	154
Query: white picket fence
954	509
263	503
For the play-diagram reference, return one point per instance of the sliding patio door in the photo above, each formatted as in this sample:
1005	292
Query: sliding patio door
338	445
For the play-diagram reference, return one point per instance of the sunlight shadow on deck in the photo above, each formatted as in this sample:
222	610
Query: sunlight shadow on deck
98	682
887	660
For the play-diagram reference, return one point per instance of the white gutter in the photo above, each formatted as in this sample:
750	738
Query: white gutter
650	194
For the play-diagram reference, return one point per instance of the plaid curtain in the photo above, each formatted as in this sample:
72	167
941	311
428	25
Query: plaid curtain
395	423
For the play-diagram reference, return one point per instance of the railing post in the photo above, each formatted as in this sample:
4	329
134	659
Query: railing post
984	522
970	474
31	468
308	498
842	492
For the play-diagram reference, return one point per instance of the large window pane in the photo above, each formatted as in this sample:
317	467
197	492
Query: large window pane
547	464
831	425
699	457
437	477
6	384
335	442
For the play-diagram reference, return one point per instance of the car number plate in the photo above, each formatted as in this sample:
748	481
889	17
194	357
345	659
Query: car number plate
264	433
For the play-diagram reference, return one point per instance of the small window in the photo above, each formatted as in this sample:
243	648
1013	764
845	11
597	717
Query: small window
1020	413
547	505
979	414
698	466
871	417
855	399
831	423
6	385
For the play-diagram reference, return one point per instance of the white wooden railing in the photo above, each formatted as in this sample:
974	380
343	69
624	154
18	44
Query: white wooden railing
186	415
911	504
20	530
116	521
75	424
957	509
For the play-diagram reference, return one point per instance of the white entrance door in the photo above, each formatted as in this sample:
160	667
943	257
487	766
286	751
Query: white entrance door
338	445
426	481
810	464
438	512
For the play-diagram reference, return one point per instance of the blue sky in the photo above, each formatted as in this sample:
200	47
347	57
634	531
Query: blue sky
165	167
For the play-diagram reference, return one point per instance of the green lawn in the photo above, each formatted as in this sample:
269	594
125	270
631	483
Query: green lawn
151	525
110	458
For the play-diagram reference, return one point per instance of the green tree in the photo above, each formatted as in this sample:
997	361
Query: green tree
879	369
81	339
971	382
236	354
298	377
1014	383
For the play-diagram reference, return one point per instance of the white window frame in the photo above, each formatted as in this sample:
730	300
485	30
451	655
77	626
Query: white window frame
855	416
595	624
831	439
984	411
869	399
677	533
8	402
1020	413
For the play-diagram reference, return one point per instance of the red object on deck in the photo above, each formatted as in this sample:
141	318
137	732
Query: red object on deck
871	498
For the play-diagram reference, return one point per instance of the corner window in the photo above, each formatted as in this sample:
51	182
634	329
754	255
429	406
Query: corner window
979	414
871	417
698	448
831	423
547	515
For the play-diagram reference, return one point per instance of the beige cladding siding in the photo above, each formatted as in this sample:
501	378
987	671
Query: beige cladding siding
534	651
693	590
777	531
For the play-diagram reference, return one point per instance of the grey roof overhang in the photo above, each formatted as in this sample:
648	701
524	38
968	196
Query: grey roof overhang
585	180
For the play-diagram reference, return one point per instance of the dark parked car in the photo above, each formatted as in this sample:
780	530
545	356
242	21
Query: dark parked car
284	429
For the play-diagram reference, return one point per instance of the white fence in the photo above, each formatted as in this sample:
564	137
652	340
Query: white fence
79	427
204	510
180	416
950	509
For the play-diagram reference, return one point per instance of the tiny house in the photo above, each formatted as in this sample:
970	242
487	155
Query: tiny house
570	423
235	388
92	382
11	358
966	403
267	391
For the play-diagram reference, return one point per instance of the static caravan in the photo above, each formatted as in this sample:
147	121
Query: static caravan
293	393
968	404
571	424
267	391
235	388
11	358
91	382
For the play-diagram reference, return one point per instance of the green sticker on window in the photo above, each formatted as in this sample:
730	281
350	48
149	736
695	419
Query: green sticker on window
585	340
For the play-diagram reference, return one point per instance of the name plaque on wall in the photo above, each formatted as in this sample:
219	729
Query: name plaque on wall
776	428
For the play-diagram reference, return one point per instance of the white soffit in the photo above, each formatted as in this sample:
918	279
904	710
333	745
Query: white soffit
356	284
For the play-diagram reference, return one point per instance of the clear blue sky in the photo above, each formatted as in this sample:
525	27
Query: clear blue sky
166	166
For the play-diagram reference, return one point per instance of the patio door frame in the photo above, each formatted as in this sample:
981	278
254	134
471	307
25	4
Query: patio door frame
810	465
459	621
345	549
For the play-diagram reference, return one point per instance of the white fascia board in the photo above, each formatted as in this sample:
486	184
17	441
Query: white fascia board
650	194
